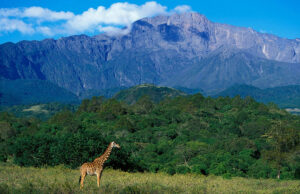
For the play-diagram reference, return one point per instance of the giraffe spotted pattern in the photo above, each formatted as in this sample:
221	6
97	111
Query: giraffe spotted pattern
96	167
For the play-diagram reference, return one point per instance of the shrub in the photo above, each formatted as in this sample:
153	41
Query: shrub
182	170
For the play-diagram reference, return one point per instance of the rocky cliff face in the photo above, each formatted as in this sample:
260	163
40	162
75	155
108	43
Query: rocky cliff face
185	50
194	34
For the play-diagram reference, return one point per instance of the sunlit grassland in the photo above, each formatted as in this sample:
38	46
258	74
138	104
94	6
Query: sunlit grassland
36	108
14	179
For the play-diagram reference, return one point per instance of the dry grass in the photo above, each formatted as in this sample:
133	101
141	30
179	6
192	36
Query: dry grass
14	179
36	109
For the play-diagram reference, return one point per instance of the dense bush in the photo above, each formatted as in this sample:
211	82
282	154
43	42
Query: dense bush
192	134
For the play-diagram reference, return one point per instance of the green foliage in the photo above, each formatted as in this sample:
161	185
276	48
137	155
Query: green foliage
92	105
284	96
283	140
155	93
182	169
186	134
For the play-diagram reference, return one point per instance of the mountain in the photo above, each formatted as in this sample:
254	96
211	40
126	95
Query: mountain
155	93
284	97
226	67
18	92
182	50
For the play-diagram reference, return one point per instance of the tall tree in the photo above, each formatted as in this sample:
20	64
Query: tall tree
283	140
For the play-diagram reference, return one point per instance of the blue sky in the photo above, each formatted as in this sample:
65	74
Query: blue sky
40	19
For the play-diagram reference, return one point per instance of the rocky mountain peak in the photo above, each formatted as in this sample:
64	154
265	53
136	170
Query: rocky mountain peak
184	20
185	50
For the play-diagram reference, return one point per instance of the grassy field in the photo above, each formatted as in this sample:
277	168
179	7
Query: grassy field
14	179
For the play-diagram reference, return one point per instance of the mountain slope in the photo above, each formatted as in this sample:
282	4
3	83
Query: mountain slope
226	67
284	97
17	92
182	50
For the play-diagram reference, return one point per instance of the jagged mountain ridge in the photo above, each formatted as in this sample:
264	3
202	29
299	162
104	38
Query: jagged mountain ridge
198	34
185	50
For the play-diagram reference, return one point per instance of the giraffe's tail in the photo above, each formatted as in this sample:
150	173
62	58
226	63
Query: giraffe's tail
79	179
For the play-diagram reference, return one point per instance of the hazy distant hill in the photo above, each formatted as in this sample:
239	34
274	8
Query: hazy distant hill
183	50
285	97
156	93
17	92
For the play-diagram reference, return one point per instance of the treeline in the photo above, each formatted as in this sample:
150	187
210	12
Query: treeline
190	134
283	96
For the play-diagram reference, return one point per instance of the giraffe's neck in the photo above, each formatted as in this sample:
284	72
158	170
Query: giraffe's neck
105	155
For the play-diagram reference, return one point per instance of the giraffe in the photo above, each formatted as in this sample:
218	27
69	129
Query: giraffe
96	167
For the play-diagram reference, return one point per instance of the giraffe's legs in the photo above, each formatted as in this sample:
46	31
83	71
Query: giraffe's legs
99	177
98	180
82	180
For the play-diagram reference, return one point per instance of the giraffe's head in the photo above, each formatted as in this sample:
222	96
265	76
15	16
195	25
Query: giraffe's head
115	145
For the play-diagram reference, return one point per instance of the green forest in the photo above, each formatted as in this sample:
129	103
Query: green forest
185	134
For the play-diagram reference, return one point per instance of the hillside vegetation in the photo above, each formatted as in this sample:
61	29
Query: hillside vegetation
284	97
62	180
229	137
155	93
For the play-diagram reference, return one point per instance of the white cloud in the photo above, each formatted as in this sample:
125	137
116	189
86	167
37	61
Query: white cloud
46	14
5	12
112	30
42	14
10	25
45	30
118	14
182	9
110	20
